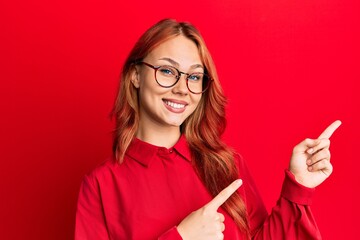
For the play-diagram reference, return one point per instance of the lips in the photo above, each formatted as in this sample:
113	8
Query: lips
175	106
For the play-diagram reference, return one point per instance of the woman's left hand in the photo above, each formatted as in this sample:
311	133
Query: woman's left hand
310	160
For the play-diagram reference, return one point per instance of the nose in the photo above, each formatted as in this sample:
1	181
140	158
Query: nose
181	86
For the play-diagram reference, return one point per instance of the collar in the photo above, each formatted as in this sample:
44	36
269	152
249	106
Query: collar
144	152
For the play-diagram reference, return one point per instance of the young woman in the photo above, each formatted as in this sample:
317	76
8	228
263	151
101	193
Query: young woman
171	176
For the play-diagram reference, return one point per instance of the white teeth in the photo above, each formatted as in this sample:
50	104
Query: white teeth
174	105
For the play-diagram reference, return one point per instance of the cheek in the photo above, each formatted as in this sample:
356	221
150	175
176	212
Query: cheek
196	99
145	82
149	87
195	103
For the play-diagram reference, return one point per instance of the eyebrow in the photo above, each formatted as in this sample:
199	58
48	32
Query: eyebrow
176	64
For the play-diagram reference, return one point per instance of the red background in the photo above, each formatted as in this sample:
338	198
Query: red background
288	68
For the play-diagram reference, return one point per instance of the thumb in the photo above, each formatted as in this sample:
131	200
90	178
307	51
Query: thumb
223	195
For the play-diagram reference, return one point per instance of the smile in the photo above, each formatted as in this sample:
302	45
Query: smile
174	105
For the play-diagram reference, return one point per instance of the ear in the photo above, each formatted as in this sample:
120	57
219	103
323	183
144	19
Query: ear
135	78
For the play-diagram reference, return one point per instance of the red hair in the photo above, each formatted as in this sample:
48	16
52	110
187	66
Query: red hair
214	161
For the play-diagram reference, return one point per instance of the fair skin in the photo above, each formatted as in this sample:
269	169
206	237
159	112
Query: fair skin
160	124
310	161
160	120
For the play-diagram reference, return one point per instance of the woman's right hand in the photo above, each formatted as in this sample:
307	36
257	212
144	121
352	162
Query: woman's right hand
206	223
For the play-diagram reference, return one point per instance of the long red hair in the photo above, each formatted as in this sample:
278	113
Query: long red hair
214	161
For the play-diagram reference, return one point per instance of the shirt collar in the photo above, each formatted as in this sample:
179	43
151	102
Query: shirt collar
144	152
182	148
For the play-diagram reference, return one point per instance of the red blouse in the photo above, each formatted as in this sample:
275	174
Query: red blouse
149	194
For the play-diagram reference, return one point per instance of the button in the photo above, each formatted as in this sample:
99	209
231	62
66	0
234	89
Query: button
171	150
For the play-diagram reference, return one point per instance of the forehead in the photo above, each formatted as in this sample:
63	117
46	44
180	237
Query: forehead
181	49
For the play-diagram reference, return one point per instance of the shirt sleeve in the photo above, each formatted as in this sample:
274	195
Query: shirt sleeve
90	221
171	234
291	218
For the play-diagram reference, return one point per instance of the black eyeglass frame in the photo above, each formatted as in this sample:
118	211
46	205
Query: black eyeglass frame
207	78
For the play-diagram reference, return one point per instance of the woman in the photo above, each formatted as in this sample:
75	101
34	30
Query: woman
171	176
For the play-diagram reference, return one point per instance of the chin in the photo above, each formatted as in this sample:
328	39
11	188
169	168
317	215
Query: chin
175	123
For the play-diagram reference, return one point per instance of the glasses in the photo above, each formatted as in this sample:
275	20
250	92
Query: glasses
168	76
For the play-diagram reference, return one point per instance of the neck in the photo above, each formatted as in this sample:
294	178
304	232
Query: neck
159	136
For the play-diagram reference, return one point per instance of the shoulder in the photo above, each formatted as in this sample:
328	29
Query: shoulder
102	171
242	167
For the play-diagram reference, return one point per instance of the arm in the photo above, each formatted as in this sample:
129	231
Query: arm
291	218
90	220
171	234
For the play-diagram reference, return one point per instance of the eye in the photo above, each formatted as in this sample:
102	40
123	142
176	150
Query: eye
196	77
167	71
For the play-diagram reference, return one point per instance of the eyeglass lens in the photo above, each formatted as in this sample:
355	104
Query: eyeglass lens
167	76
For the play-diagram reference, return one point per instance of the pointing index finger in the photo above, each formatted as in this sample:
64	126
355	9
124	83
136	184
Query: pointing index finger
224	195
330	129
